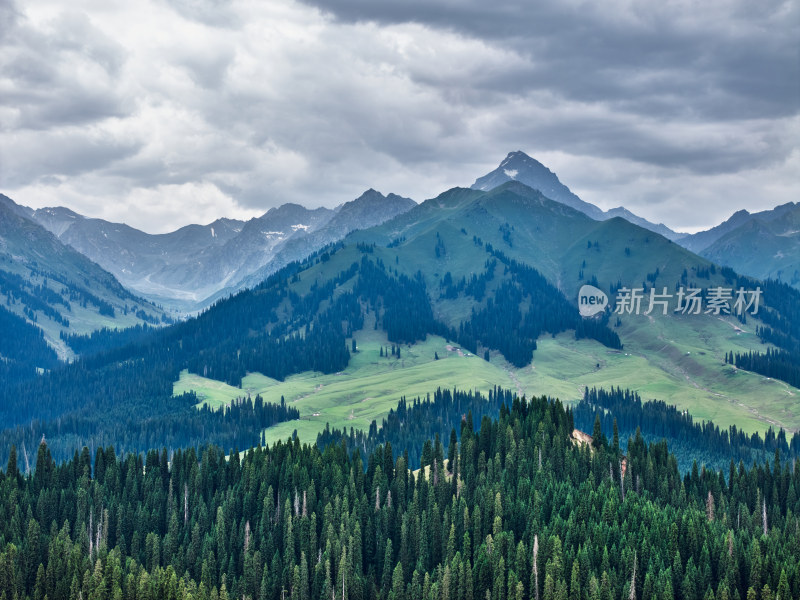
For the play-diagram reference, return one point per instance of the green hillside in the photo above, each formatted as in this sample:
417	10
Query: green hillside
490	274
56	288
679	359
563	367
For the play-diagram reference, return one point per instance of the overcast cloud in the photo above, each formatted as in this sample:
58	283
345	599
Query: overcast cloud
161	113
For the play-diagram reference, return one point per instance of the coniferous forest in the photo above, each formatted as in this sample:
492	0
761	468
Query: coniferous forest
520	510
454	496
691	442
120	390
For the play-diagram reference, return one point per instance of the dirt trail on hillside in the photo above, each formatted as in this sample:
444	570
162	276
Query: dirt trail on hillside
516	381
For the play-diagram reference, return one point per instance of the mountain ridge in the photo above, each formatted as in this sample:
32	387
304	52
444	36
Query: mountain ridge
55	287
191	266
764	244
519	166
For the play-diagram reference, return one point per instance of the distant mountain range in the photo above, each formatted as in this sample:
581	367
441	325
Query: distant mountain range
764	244
192	266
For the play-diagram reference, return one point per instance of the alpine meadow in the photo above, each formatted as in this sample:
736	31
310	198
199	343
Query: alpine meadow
286	315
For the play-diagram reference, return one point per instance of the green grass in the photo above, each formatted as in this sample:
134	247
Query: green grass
366	390
690	374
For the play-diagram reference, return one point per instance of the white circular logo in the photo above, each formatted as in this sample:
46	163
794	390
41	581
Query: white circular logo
591	301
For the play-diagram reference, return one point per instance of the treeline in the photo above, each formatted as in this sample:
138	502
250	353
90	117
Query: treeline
44	298
779	310
778	364
34	297
781	315
105	339
703	442
519	512
178	425
410	428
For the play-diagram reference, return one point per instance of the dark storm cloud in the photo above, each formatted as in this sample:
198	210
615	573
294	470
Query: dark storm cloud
709	149
742	52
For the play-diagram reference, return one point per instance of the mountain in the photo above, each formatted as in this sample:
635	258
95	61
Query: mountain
368	210
10	207
55	287
246	250
525	224
56	220
518	166
194	265
765	244
188	264
659	228
697	242
470	288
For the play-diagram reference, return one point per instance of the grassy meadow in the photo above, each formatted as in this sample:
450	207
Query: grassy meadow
689	373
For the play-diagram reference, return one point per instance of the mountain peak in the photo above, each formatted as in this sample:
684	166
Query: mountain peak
370	194
520	167
11	206
518	157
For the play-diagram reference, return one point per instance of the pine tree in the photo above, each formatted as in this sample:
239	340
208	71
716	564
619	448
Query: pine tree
398	586
597	432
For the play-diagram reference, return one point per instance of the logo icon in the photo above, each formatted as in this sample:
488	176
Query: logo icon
591	301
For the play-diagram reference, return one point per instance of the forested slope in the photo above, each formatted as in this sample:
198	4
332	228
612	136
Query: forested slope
300	319
519	512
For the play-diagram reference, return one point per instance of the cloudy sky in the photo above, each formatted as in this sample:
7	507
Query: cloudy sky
161	113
